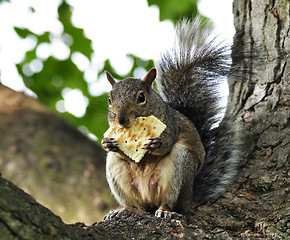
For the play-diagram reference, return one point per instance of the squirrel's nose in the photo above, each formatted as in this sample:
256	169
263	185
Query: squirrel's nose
121	118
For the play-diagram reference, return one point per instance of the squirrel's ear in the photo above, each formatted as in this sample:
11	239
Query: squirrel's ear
110	78
150	77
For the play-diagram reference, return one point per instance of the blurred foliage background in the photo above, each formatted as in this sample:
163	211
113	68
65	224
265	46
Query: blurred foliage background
57	75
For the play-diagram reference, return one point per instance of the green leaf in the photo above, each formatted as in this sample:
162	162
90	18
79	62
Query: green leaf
139	62
23	32
175	10
44	85
80	42
43	37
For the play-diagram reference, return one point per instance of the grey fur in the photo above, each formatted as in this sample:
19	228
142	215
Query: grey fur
189	80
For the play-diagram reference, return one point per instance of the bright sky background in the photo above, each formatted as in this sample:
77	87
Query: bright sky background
112	38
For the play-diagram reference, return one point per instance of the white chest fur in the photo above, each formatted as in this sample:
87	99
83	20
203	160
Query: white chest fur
148	184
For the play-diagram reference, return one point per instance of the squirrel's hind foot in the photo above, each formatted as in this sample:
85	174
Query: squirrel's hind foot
166	213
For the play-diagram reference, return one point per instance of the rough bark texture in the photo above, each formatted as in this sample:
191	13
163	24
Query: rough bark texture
257	205
261	102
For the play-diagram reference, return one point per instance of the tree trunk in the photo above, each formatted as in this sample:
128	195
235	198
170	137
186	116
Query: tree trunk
51	160
261	103
257	205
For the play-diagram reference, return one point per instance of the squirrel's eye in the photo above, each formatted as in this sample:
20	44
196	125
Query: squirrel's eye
109	100
141	98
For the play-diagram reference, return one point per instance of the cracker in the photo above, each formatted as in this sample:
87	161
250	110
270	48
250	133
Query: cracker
131	140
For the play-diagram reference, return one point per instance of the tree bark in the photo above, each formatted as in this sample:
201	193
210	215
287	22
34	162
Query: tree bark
261	103
257	204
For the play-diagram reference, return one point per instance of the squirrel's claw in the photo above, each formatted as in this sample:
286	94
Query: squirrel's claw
153	144
167	214
109	144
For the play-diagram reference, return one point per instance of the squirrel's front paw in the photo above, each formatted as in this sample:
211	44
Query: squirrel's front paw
153	144
110	144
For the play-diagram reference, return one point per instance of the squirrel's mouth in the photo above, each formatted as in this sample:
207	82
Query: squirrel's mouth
126	123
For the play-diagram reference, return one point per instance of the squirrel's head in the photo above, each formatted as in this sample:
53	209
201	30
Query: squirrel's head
129	99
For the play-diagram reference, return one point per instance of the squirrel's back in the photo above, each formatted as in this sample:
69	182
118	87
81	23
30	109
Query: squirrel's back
189	81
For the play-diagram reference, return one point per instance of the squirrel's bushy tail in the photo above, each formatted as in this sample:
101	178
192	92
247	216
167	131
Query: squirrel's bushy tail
189	80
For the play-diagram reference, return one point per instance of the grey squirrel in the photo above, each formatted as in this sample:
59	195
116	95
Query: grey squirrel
192	161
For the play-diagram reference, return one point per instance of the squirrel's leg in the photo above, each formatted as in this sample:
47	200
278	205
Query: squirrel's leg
179	199
181	166
116	172
119	178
